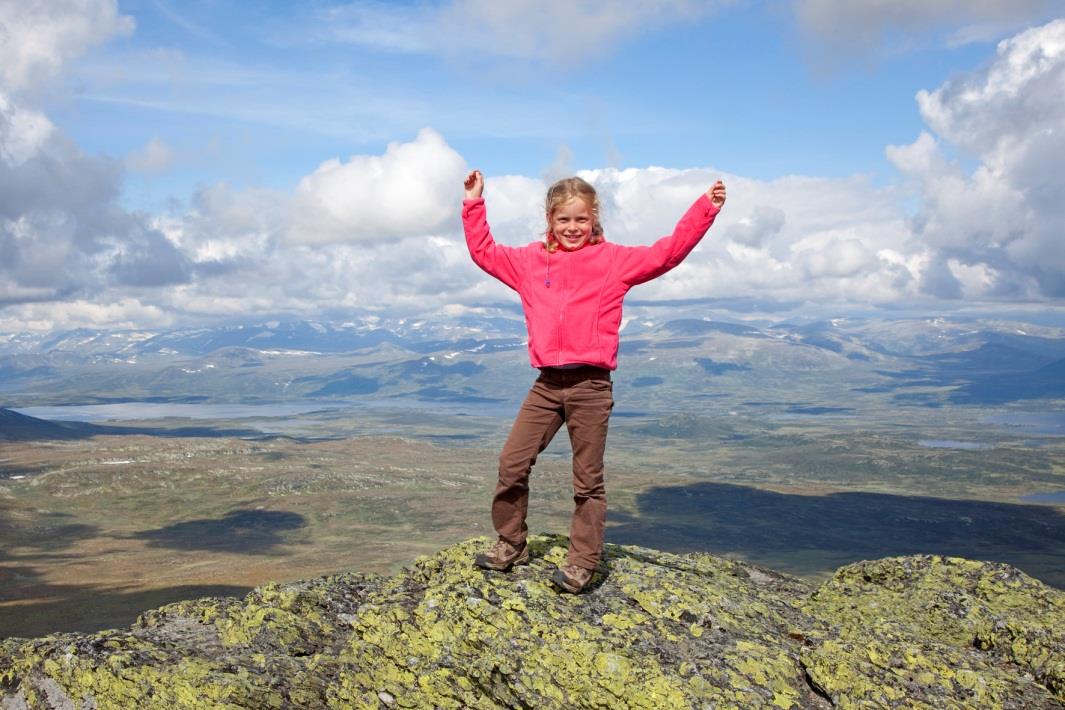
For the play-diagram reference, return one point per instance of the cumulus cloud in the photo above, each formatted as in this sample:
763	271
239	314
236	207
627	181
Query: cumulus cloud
22	132
62	234
120	313
795	237
237	238
37	38
409	190
764	223
224	228
382	231
836	258
937	279
1003	217
148	259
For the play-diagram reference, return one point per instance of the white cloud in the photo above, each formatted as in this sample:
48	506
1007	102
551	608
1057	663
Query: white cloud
517	207
835	257
22	132
410	190
1005	216
764	223
382	231
62	233
838	240
820	239
37	38
121	313
921	156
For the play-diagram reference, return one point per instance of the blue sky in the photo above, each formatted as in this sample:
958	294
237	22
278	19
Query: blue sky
260	94
210	147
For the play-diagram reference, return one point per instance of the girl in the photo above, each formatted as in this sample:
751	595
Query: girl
571	286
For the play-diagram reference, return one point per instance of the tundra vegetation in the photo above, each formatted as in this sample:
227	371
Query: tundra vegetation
288	451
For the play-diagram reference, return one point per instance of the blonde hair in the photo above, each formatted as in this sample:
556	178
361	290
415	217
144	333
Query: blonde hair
562	192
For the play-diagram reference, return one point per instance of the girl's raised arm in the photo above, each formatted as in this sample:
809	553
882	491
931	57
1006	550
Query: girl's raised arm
500	261
640	264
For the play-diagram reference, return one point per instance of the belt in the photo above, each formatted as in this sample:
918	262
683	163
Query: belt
568	375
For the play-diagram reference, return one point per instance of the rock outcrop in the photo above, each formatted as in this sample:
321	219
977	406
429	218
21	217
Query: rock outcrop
656	630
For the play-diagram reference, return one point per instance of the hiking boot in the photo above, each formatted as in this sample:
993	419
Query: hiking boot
502	556
572	579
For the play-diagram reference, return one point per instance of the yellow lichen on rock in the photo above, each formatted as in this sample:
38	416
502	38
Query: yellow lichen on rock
654	630
921	623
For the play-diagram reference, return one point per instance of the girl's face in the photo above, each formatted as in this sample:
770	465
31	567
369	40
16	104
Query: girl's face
572	223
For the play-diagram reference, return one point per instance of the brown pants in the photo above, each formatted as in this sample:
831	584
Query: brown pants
581	398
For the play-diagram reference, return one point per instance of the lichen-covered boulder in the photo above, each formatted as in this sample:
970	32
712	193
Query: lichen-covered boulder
655	630
273	649
929	631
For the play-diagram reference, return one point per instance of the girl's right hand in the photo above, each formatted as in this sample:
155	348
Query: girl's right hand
474	185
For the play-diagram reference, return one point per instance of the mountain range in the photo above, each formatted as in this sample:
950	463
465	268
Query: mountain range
925	362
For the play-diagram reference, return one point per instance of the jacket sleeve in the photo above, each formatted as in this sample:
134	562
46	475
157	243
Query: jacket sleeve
640	264
500	261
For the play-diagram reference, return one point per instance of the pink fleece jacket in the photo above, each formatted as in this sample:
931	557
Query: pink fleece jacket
572	300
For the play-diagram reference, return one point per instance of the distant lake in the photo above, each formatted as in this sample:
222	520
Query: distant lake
1052	423
127	411
1053	497
503	408
949	444
140	411
813	413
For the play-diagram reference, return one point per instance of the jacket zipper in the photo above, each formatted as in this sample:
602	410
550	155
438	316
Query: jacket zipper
561	314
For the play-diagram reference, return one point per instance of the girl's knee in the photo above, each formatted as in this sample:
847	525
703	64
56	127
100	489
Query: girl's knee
589	488
513	471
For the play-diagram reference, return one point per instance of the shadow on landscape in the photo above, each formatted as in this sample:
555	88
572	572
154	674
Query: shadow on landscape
59	537
18	583
32	606
813	535
46	532
252	532
67	608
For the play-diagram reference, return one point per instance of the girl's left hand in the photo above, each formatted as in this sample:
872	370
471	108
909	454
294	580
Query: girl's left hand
717	194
